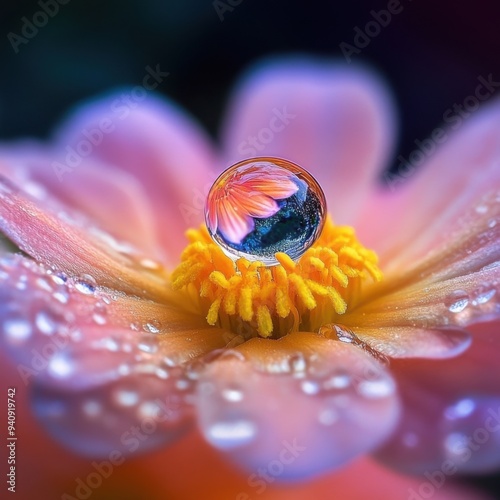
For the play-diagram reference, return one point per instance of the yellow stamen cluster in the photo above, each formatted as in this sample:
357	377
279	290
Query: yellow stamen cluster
253	300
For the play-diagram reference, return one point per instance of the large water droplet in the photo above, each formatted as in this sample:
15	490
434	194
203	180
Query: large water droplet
457	301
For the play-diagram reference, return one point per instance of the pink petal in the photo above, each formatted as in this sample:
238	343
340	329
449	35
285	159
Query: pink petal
338	404
66	244
456	284
113	198
414	212
99	364
334	121
451	411
232	224
253	203
158	144
67	338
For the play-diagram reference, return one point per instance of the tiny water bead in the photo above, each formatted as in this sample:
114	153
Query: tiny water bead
263	206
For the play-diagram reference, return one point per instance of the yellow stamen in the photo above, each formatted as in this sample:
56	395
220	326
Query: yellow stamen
272	301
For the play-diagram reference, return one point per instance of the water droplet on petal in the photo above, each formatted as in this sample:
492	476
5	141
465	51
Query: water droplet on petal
262	206
337	381
45	323
99	319
17	330
152	326
481	209
231	434
377	388
148	345
60	365
91	408
298	364
457	301
149	264
483	294
328	416
86	284
461	409
126	398
310	387
232	394
61	296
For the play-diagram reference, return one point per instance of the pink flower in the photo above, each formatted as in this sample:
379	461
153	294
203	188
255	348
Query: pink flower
119	359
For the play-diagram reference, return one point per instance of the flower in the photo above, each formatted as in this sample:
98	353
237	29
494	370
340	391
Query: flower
121	365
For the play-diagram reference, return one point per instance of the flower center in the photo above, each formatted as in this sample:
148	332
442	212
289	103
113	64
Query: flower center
251	299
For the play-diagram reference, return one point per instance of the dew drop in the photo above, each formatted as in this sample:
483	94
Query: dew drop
91	408
337	381
298	364
99	319
43	284
232	434
149	264
135	326
86	284
126	398
61	296
232	394
45	323
481	209
483	294
461	409
182	384
152	326
328	417
457	301
287	215
310	387
378	388
60	366
17	330
59	278
148	345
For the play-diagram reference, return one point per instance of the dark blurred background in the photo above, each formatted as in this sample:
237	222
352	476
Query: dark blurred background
431	54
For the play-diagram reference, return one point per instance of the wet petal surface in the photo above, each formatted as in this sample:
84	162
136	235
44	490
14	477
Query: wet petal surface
315	410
